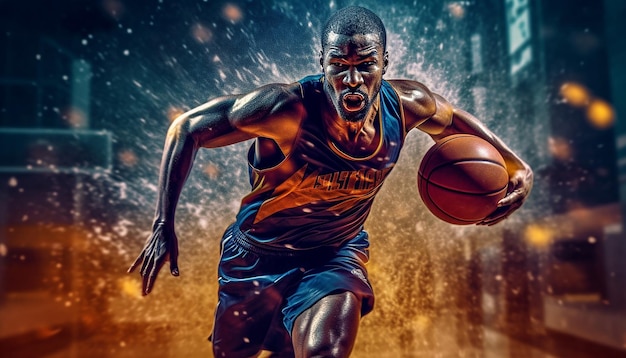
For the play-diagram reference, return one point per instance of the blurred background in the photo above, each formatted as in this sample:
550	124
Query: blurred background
89	87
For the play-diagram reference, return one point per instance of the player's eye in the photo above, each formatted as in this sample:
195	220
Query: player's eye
367	64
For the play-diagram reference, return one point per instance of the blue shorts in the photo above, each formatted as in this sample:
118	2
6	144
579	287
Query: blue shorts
262	293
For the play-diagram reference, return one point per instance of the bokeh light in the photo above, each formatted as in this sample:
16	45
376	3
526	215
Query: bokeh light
114	8
127	157
129	287
74	117
600	114
201	33
538	236
232	12
560	148
457	10
575	94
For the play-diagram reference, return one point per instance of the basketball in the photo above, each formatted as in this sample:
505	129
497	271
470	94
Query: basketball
461	179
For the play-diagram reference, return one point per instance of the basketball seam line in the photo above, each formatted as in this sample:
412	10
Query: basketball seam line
459	161
464	160
446	213
461	192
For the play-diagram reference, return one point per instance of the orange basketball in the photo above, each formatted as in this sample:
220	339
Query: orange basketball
461	179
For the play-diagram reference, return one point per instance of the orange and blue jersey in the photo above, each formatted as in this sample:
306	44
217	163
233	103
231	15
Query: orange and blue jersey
318	195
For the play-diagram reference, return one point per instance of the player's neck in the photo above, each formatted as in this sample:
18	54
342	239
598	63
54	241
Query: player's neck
354	137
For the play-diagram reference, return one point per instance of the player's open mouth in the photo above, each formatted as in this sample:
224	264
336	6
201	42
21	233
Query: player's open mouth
353	102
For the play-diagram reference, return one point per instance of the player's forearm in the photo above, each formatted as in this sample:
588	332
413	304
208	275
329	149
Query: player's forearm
178	155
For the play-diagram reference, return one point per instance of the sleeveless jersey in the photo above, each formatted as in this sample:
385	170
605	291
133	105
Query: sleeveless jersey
318	195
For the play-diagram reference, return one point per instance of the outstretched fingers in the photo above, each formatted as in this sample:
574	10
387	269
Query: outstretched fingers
149	271
160	247
137	262
150	278
156	257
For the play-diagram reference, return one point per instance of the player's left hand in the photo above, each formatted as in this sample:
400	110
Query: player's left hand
520	184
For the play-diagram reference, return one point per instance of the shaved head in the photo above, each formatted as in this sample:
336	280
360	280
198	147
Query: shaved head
354	20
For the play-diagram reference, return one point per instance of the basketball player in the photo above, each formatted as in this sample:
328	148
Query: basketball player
292	277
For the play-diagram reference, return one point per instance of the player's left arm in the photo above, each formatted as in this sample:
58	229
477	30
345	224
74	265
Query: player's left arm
434	115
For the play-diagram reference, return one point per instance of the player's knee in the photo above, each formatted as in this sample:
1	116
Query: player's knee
336	349
329	328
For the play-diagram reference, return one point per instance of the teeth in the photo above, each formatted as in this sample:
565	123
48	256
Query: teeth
353	97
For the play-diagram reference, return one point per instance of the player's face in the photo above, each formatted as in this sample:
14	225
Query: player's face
353	69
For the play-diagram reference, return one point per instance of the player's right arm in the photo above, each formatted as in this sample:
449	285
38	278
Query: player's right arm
271	112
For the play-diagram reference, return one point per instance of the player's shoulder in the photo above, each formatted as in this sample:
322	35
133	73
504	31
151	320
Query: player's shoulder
281	92
289	94
423	108
270	111
416	98
270	99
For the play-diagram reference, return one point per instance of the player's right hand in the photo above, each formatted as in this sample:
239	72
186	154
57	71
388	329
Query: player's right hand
161	246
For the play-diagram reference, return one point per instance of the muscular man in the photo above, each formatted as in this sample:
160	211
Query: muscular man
292	277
